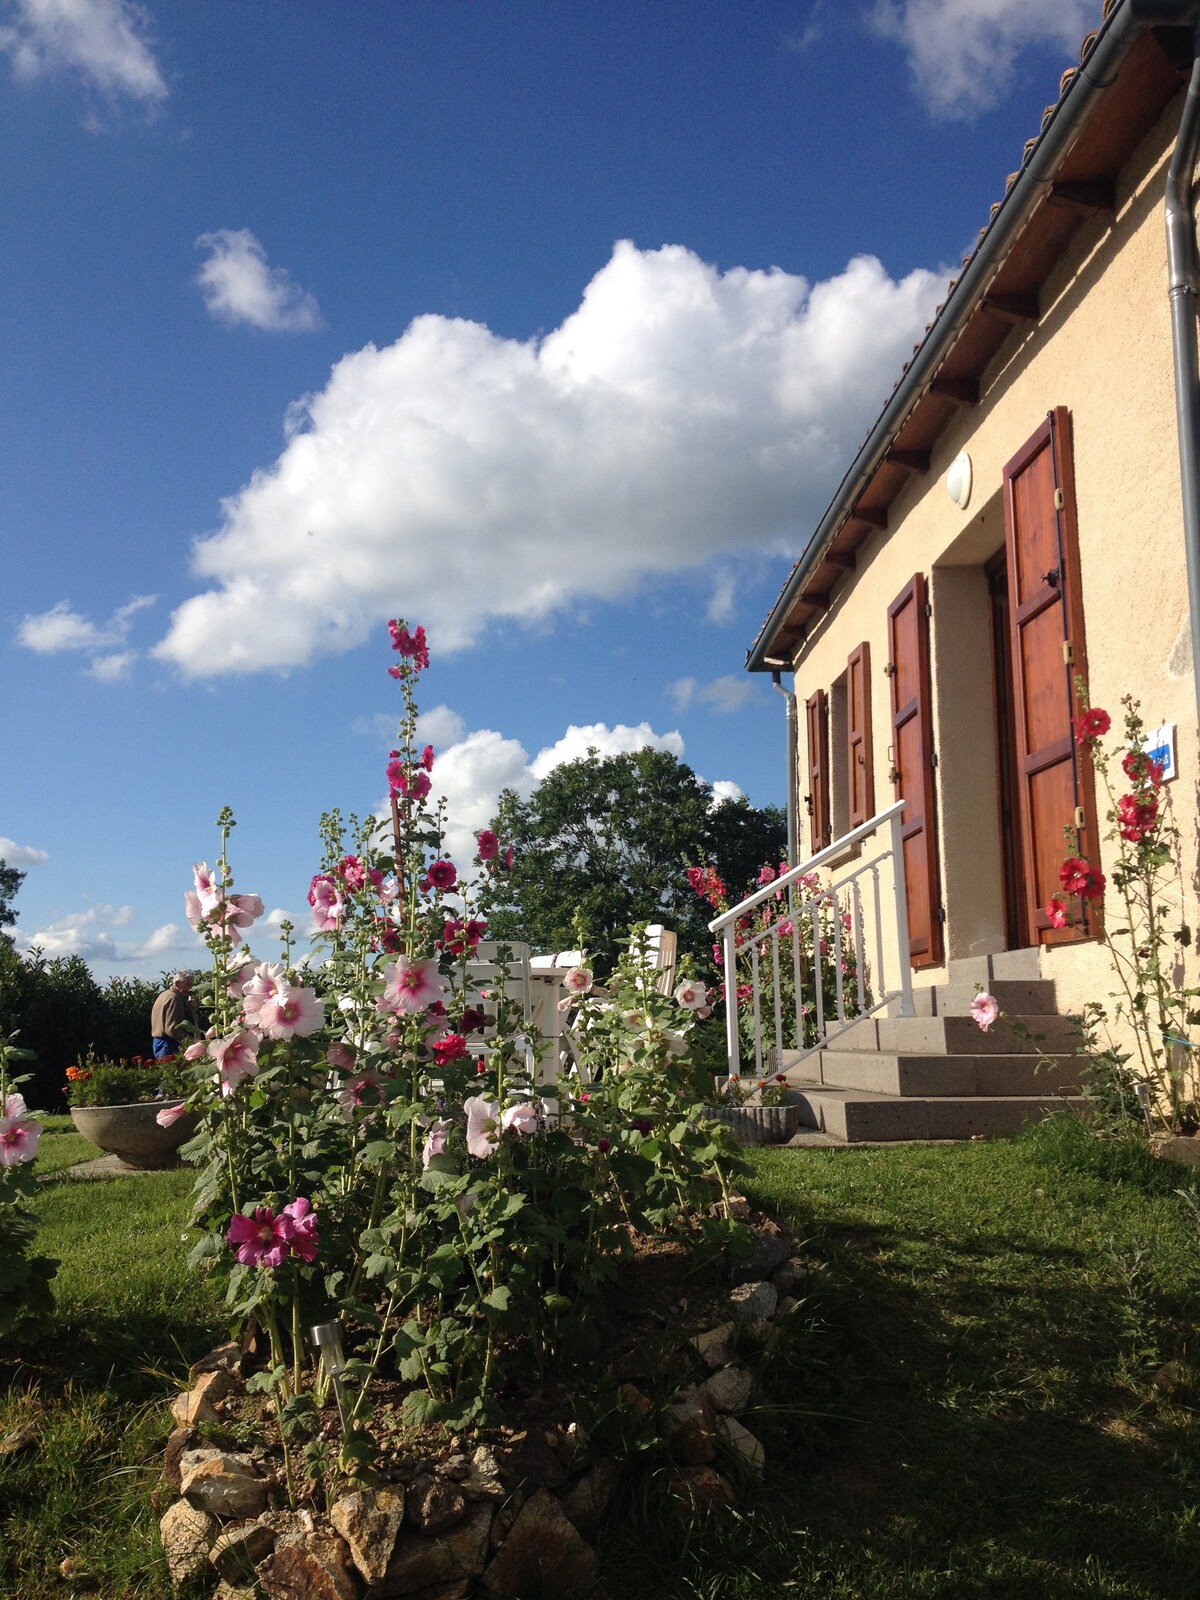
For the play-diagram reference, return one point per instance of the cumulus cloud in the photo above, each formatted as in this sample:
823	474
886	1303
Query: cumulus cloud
725	695
62	629
726	789
962	52
89	934
21	855
103	42
239	286
678	416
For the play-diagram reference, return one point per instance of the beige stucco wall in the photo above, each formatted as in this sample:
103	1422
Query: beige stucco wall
1102	348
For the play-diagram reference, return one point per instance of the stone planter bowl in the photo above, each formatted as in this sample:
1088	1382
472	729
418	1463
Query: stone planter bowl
131	1132
757	1124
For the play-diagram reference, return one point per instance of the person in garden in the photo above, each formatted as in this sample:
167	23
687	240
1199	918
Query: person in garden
173	1007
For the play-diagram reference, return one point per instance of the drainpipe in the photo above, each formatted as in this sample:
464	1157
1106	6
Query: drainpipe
793	752
1183	271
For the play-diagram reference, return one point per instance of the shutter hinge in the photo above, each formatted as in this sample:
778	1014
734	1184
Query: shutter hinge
1068	653
941	913
933	761
929	608
1080	819
889	670
1059	500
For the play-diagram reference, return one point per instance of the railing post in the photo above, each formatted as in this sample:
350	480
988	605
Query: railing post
731	1001
901	888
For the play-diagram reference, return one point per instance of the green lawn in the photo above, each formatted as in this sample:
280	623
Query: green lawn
991	1389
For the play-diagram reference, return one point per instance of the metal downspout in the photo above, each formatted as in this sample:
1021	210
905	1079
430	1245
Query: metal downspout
1184	281
793	780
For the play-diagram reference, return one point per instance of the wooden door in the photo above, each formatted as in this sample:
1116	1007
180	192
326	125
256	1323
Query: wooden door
1054	789
912	767
1008	798
860	766
816	711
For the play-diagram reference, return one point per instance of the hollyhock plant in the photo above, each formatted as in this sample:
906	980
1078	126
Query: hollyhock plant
326	902
450	1047
578	981
19	1133
1136	816
1092	724
303	1241
411	986
482	1118
520	1119
1056	913
261	1239
442	875
235	1058
435	1141
357	1091
1078	877
294	1010
489	845
169	1115
691	995
985	1008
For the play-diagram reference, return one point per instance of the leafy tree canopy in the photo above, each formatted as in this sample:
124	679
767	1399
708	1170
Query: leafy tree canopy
10	881
603	843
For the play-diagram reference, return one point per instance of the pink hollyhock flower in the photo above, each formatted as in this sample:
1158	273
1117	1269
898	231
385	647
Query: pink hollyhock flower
718	953
170	1114
236	1058
292	1011
353	1094
19	1133
304	1228
985	1008
521	1117
630	1019
489	845
246	966
341	1056
389	888
1056	913
482	1116
327	903
195	1051
578	981
262	1239
1092	724
228	916
766	875
509	857
411	986
264	983
473	931
691	995
435	1142
412	645
442	875
450	1047
1136	817
397	776
200	900
427	758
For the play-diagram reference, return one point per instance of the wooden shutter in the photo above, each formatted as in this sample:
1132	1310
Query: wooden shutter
816	710
912	772
860	783
1054	781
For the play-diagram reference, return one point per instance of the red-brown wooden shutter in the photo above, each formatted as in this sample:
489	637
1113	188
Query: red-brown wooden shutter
912	747
859	756
1054	780
816	709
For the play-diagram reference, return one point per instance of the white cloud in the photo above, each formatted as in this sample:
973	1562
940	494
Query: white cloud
239	286
720	602
682	692
89	934
63	629
962	52
678	416
724	695
439	726
726	789
101	41
21	855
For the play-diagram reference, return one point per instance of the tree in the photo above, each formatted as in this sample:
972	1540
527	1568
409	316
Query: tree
603	842
10	881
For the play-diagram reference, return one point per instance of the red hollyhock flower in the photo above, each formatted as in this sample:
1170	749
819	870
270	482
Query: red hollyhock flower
1056	913
1093	724
442	875
1138	768
450	1047
1136	818
1077	877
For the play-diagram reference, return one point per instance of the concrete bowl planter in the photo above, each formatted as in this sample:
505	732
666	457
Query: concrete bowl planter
132	1133
758	1124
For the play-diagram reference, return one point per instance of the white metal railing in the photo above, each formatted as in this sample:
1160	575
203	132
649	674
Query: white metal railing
828	939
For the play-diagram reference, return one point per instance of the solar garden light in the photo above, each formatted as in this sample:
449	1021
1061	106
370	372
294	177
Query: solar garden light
326	1339
1145	1100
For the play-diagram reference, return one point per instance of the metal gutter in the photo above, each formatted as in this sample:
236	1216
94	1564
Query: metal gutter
1124	25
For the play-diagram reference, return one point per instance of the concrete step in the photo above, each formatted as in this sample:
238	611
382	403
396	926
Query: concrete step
1020	964
1018	997
959	1036
912	1076
854	1116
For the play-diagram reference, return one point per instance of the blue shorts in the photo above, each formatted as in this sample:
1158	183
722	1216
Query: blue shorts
164	1049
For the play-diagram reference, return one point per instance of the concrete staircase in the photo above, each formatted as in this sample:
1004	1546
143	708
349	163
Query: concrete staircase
937	1075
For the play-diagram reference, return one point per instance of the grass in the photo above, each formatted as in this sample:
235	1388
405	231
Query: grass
60	1146
990	1388
1003	1399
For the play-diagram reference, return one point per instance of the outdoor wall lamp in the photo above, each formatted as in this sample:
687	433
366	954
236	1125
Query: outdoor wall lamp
958	480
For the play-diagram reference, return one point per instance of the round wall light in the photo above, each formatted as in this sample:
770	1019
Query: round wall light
958	480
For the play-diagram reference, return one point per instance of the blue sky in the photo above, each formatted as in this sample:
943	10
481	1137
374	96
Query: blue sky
550	326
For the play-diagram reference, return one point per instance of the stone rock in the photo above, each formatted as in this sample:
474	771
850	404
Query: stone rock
1184	1150
742	1445
730	1389
22	1438
483	1481
632	1398
434	1504
236	1591
223	1483
786	1305
543	1550
770	1251
313	1569
444	1591
180	1440
289	1527
186	1533
422	1561
687	1426
238	1549
702	1491
784	1277
529	1463
713	1346
586	1503
456	1467
739	1208
225	1358
369	1520
198	1404
754	1302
